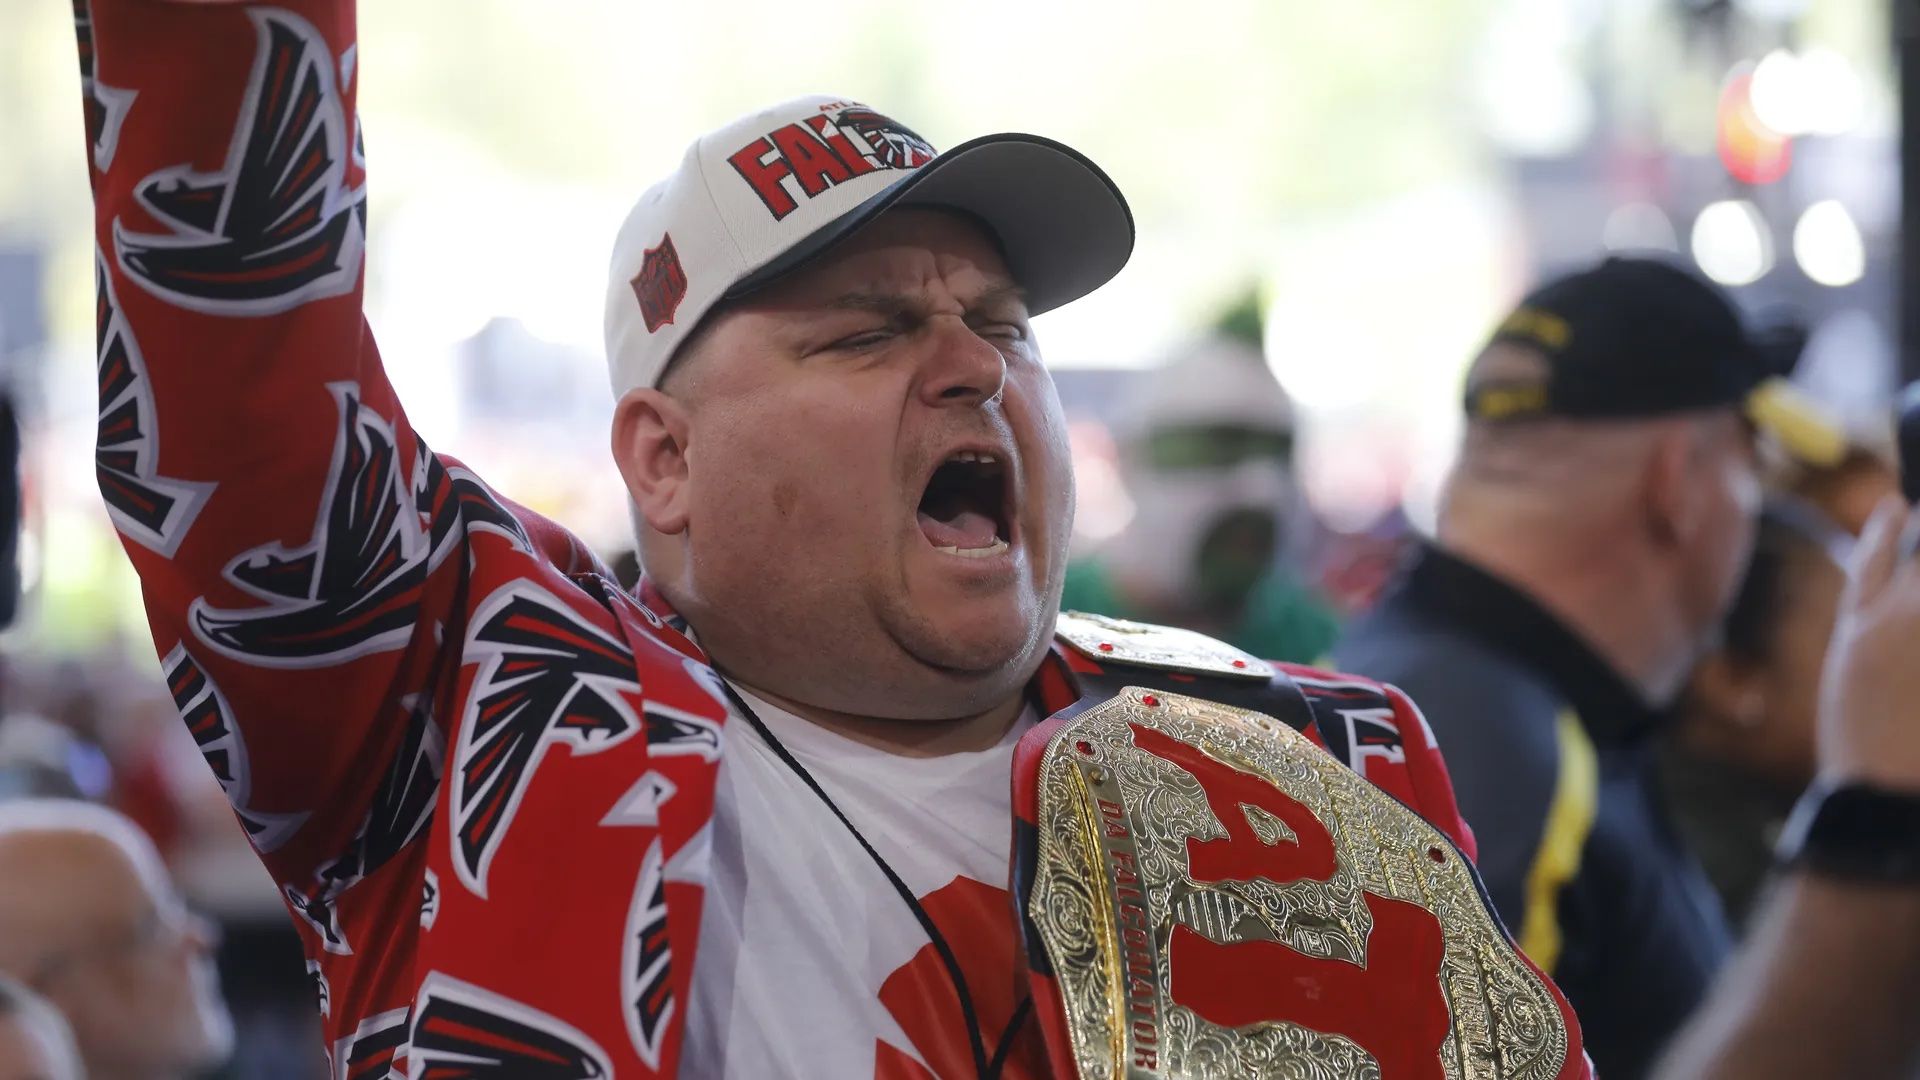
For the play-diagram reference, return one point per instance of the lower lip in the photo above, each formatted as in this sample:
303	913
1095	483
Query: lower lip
979	561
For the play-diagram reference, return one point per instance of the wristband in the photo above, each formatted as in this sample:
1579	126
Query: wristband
1855	831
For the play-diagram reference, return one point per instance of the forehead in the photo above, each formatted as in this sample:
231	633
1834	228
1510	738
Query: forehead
903	251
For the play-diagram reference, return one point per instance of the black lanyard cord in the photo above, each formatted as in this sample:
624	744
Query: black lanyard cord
984	1068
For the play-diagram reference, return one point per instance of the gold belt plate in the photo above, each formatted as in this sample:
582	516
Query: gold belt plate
1219	898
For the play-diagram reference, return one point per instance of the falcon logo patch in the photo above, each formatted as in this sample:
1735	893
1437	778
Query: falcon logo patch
462	1032
548	676
147	508
351	590
278	226
210	722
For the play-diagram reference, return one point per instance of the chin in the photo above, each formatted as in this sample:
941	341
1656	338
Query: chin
977	639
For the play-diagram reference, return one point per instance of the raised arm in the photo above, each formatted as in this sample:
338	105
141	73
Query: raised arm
286	525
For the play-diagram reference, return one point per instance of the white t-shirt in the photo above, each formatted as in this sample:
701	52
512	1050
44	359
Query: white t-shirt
810	964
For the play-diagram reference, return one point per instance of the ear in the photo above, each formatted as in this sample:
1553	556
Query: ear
1673	512
651	438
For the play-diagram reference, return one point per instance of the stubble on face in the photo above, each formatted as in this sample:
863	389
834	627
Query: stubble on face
820	409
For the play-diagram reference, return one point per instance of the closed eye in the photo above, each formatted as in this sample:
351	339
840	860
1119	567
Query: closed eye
863	339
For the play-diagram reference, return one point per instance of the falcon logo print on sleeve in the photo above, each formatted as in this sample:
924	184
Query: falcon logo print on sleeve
452	501
462	1032
646	965
672	732
106	106
549	677
151	510
210	722
350	591
402	807
369	1053
322	992
277	226
429	898
317	910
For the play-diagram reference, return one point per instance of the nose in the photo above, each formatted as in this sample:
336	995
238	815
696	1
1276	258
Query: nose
961	367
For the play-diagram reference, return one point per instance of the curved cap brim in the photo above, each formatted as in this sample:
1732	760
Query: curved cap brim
1062	224
1796	424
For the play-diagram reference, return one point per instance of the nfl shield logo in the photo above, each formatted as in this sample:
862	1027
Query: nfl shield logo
660	285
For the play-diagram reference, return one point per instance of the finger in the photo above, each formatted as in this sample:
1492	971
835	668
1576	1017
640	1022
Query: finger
1876	556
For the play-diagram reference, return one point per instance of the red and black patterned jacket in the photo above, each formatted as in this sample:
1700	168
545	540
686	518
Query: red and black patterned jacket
480	772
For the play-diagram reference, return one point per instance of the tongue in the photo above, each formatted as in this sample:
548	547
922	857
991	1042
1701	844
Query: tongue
967	529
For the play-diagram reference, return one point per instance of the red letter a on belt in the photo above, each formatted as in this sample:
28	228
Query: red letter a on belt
1392	1007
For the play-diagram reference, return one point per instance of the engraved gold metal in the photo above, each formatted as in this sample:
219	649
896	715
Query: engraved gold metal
1164	647
1503	1021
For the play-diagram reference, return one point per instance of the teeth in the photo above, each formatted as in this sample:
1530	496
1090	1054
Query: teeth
974	455
994	548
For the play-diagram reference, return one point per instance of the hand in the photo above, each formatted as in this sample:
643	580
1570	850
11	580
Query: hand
1870	689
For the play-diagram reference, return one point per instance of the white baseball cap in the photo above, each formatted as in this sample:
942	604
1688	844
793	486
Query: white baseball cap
768	193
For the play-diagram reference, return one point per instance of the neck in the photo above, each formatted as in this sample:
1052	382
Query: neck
907	738
1626	615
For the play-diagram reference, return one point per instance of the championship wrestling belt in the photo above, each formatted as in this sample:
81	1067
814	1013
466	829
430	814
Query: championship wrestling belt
1213	895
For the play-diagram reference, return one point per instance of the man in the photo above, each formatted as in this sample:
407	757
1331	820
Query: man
1591	536
1827	982
1206	449
34	1041
755	821
90	920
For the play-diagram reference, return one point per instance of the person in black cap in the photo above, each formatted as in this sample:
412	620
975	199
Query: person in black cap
1591	537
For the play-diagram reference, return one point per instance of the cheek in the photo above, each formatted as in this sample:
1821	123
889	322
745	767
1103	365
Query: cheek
1036	413
788	473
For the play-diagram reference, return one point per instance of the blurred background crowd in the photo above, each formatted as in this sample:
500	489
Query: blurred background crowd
1337	203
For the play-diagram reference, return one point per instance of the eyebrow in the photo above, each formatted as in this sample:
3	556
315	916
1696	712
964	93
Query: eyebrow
895	303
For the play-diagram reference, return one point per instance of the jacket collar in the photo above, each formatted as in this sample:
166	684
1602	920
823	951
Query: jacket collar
1460	594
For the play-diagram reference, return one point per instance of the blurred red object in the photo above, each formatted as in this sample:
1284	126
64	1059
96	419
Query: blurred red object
1752	152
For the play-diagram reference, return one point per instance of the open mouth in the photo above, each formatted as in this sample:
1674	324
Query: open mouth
964	509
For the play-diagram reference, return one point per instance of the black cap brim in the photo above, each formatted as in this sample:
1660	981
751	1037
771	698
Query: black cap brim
1062	224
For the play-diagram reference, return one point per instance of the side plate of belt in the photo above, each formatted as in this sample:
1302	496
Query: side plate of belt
1212	895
